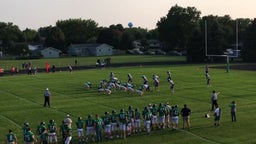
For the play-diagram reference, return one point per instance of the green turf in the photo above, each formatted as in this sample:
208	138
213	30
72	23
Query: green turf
22	98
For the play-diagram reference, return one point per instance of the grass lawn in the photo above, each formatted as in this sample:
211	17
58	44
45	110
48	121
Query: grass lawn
21	101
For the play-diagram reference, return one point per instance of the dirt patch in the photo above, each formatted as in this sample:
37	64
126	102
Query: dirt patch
248	67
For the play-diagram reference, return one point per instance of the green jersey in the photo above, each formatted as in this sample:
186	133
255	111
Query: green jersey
79	124
98	123
10	137
175	111
161	111
148	115
154	111
52	127
89	122
122	117
28	137
106	119
114	118
129	117
130	113
25	129
40	129
137	115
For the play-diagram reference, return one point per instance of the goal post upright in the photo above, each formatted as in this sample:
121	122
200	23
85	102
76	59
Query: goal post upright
227	56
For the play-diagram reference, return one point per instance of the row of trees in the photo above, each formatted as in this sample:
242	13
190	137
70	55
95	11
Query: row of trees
182	29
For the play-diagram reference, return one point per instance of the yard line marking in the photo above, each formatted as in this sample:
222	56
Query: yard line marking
201	138
13	122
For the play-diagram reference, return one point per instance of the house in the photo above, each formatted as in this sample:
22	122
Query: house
50	52
90	49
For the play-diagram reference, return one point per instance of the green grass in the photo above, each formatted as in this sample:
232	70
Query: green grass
22	98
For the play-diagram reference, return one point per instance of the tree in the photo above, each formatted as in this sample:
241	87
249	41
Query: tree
78	30
30	35
178	26
249	49
55	38
9	34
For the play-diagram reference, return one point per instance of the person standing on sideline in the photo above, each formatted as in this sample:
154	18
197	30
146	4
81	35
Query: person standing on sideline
185	113
29	137
47	95
217	114
214	98
233	111
98	126
80	129
68	120
68	134
11	138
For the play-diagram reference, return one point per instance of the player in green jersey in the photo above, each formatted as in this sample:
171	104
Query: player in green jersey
52	132
137	120
175	116
107	125
80	129
154	120
131	115
11	138
44	137
161	112
114	125
148	117
122	123
89	125
40	128
29	137
98	125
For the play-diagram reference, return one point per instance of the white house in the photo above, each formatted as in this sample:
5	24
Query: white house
90	49
50	52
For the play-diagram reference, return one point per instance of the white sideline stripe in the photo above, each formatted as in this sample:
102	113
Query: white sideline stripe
201	138
6	118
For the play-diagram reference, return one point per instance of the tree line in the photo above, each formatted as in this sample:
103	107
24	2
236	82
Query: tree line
182	29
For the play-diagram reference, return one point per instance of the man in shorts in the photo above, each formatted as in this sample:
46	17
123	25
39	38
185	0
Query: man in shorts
175	117
98	126
161	112
80	129
11	138
217	114
107	125
137	120
122	123
114	124
89	125
52	137
185	113
154	119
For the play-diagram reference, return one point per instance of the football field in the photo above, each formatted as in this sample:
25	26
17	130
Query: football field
22	100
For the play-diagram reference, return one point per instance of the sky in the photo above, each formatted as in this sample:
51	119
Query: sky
34	14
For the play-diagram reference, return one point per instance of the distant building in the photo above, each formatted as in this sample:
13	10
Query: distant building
50	52
90	50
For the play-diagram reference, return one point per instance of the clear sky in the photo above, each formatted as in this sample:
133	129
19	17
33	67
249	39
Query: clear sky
142	13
